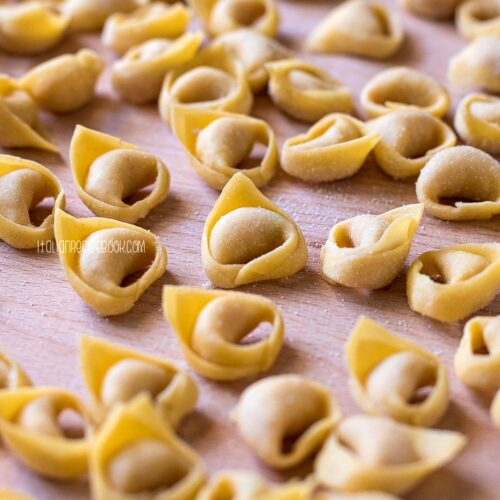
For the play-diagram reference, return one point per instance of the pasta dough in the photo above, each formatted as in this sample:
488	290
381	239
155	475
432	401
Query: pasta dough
477	18
138	76
284	419
115	375
477	64
454	282
101	256
155	20
219	145
495	410
435	9
460	183
334	148
31	427
402	87
409	139
232	255
65	83
358	27
376	453
211	80
212	325
11	495
395	378
477	120
12	376
110	176
369	251
305	92
24	185
365	495
135	453
477	361
221	16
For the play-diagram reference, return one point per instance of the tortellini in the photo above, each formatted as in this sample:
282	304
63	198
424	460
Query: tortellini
24	185
477	361
12	376
211	80
30	27
495	410
155	20
253	50
409	139
65	83
138	76
102	259
395	378
247	238
376	453
358	27
369	251
221	16
334	148
435	9
136	454
12	495
402	87
211	326
477	121
111	176
285	419
460	183
219	145
20	125
115	375
454	282
477	64
33	428
305	92
478	17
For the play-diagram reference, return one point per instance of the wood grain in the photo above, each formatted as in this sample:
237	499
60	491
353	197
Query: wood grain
41	316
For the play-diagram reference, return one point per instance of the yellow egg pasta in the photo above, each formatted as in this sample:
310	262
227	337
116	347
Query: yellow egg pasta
460	183
305	92
219	145
495	410
12	495
211	325
409	139
241	485
358	27
31	427
477	18
375	453
232	256
111	175
402	87
395	378
295	407
24	185
136	453
115	375
434	9
369	251
101	256
454	282
477	121
12	376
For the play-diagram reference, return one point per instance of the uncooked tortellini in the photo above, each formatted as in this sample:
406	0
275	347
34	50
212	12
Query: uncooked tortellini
495	410
12	376
478	18
434	9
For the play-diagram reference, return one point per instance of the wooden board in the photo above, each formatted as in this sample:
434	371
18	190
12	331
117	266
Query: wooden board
41	317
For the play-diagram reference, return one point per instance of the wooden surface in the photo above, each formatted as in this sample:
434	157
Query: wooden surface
41	317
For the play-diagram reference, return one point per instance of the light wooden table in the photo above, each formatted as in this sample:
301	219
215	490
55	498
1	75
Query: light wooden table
41	317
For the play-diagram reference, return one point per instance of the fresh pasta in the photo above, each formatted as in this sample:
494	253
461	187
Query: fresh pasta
369	251
409	138
454	282
110	174
211	326
334	148
358	27
103	257
477	18
395	378
219	145
434	9
12	376
24	185
295	407
403	87
305	92
460	183
495	410
363	495
231	254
